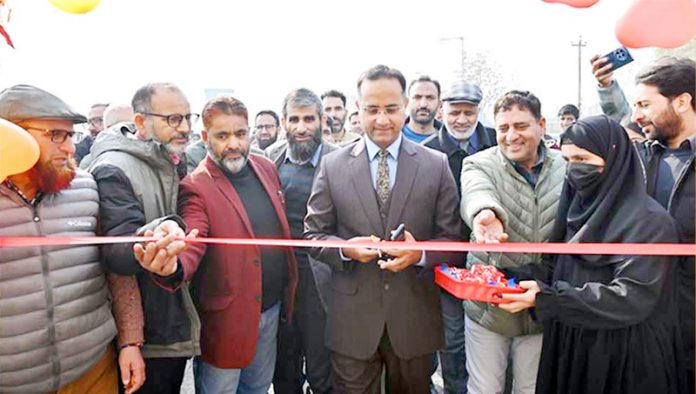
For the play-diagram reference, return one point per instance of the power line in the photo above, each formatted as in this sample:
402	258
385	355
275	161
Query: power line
580	44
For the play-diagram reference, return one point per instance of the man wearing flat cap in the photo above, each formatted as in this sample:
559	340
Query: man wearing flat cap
462	135
56	322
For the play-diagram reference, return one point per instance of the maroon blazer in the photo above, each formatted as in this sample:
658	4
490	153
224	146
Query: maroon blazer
228	278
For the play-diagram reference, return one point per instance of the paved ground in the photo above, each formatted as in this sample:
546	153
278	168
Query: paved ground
187	386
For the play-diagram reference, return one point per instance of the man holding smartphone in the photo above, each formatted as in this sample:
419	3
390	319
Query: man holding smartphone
611	96
665	109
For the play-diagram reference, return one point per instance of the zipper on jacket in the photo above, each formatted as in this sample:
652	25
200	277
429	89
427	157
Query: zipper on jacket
535	222
543	174
677	183
48	295
519	178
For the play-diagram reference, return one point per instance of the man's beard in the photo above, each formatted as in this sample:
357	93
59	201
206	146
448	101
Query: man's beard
462	135
670	126
423	120
49	179
303	151
232	165
263	144
169	146
337	124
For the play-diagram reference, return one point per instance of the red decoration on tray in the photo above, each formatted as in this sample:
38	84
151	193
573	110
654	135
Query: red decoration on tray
482	283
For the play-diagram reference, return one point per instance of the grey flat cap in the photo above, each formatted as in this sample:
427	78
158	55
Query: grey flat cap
463	92
24	102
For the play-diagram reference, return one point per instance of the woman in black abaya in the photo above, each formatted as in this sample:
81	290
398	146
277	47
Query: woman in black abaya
610	322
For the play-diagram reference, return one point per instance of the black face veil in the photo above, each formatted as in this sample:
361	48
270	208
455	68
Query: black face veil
613	210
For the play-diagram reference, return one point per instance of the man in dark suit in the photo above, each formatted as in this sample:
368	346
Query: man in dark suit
239	289
297	159
383	311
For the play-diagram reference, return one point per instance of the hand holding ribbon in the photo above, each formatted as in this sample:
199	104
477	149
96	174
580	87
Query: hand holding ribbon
160	256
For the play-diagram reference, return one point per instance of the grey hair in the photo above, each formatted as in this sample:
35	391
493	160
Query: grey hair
300	98
142	99
113	114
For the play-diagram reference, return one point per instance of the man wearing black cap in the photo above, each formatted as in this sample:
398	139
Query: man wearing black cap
55	315
462	135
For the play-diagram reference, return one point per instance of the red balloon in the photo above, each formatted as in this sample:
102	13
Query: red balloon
575	3
658	23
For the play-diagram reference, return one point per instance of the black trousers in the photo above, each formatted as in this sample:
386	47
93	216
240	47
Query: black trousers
302	343
163	375
364	376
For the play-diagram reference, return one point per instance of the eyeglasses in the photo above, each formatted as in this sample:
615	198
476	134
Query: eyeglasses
175	120
390	110
267	127
58	136
98	121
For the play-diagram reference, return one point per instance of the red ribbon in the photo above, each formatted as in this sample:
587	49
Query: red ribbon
633	249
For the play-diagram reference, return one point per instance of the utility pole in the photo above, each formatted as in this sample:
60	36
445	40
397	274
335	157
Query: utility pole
462	65
580	44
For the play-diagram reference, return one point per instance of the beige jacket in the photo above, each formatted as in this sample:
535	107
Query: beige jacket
489	181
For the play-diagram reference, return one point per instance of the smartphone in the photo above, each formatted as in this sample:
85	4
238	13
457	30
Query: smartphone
619	57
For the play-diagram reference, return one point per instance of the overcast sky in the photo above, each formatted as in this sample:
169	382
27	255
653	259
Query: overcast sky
262	49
